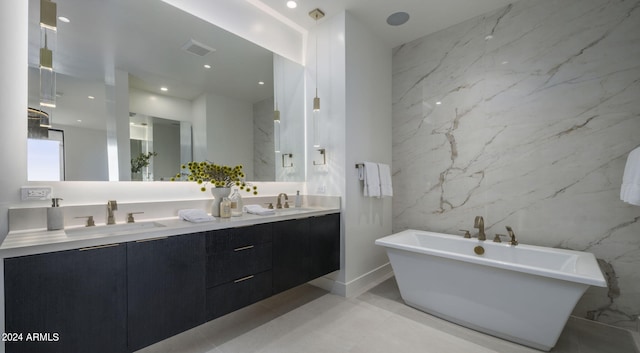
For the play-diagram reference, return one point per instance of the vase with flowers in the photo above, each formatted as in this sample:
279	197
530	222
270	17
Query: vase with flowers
221	177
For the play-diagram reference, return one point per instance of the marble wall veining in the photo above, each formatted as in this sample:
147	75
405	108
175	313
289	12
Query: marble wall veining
525	116
263	157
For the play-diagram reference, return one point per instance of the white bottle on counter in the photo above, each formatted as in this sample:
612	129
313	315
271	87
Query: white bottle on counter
55	215
236	203
298	202
225	208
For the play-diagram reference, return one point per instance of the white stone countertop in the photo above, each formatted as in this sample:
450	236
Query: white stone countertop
36	241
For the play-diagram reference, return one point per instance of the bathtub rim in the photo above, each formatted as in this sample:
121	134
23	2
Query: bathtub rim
584	259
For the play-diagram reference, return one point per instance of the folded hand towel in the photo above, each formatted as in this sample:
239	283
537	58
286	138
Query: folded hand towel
371	180
385	180
258	210
195	216
630	190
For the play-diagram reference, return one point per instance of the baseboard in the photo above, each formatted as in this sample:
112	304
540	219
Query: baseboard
356	286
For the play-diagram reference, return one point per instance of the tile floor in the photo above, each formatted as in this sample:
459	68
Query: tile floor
308	319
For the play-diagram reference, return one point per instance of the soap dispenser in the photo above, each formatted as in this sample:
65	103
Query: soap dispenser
298	202
55	215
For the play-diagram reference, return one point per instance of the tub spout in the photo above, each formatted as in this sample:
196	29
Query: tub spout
512	235
479	223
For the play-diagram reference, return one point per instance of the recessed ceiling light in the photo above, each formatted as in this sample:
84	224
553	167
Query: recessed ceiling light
292	4
164	89
438	103
91	97
79	120
505	62
398	18
207	66
488	37
261	83
64	19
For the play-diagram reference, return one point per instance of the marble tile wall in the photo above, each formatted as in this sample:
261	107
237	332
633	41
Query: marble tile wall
525	116
264	164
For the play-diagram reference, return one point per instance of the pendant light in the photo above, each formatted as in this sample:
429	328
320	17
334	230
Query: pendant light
316	14
48	29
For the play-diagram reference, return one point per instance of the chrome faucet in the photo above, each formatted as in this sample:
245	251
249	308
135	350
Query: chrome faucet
286	199
479	223
512	235
112	205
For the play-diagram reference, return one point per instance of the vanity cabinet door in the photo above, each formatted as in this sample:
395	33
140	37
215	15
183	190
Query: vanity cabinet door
291	254
305	249
73	301
166	287
324	239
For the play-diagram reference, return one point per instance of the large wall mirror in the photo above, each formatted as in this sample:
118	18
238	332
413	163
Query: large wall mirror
142	87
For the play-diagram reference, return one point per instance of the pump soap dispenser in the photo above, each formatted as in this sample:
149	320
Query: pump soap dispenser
55	215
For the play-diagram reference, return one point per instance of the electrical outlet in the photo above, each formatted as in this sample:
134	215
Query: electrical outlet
33	193
322	189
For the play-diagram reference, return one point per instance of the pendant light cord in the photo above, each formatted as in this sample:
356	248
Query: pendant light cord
317	57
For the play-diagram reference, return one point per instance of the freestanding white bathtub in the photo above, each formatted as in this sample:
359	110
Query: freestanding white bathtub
521	293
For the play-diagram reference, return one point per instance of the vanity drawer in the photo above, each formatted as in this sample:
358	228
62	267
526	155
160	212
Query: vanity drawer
238	293
226	266
230	239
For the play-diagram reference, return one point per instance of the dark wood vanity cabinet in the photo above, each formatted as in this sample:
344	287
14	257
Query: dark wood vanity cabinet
166	287
123	297
239	262
305	249
67	301
324	245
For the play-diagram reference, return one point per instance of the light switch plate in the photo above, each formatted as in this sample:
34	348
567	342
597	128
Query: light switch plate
35	193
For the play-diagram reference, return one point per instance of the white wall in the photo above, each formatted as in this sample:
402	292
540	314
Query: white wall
368	128
199	128
354	86
167	144
13	103
151	104
118	110
230	132
85	152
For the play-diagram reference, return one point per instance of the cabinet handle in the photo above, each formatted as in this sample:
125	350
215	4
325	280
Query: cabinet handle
243	248
151	239
243	279
98	247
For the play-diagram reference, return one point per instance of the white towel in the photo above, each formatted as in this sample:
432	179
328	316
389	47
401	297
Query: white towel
630	190
258	210
371	179
386	189
195	216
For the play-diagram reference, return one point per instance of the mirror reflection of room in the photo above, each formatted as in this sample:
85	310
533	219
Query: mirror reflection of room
123	60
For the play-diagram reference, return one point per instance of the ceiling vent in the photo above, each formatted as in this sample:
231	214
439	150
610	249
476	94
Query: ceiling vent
197	48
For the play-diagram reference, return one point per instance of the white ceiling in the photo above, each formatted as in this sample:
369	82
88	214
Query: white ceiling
144	37
426	16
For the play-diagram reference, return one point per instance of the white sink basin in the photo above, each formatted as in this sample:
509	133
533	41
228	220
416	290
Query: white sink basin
114	228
